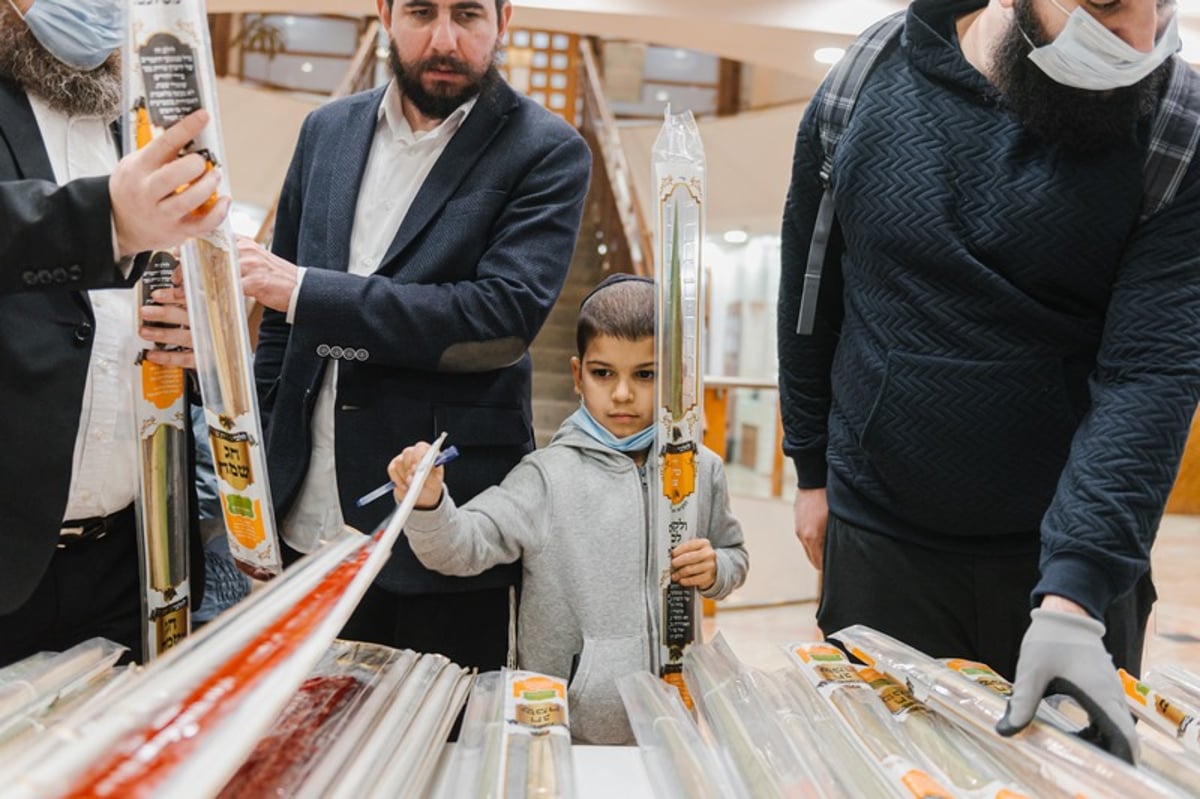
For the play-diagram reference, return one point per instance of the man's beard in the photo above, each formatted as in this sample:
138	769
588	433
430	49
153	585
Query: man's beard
1086	121
24	61
441	102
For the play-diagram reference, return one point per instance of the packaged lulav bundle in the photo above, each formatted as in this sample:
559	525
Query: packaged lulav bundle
515	741
169	74
679	170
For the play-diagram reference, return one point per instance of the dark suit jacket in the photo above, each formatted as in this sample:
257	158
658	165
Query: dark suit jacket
55	242
436	340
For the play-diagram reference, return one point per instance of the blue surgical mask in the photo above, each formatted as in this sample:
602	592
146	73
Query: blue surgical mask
634	443
80	33
1087	55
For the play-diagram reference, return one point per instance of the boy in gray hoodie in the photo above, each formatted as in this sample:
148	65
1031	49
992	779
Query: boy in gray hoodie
576	515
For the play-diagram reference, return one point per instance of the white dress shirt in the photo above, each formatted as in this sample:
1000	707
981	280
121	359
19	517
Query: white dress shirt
399	162
104	469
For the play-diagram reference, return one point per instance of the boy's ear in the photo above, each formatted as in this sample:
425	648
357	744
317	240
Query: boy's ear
576	374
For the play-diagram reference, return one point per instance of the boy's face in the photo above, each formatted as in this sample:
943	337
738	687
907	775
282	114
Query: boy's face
616	381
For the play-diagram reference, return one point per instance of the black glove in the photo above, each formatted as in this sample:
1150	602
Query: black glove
1062	653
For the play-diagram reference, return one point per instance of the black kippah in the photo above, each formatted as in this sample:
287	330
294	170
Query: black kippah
612	280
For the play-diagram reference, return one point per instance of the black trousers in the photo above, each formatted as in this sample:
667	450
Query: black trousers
950	604
91	588
470	628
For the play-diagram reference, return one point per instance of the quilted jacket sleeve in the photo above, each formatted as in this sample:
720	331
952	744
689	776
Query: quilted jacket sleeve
1097	533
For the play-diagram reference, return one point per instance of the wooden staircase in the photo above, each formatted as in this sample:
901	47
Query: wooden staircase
553	389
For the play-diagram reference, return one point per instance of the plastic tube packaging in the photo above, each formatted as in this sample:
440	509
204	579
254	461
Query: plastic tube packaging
754	747
1169	715
1156	755
678	174
168	71
161	410
199	710
966	767
800	732
25	728
36	682
409	775
1177	680
515	741
855	772
840	685
1076	766
678	761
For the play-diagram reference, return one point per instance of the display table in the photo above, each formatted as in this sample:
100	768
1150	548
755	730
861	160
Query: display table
601	772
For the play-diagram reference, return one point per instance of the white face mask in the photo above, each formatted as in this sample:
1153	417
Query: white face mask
1087	55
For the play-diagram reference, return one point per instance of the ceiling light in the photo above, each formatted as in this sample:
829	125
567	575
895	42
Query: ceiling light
736	236
828	55
662	96
306	66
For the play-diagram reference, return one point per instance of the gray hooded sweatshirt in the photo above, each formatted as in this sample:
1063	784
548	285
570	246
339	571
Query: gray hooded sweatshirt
575	514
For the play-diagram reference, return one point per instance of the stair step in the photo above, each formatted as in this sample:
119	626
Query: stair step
553	384
549	414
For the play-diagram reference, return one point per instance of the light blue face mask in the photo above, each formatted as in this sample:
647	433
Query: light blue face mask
638	441
1087	55
80	33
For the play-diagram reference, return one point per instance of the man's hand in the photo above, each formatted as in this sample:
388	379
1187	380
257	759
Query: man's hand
694	564
812	516
171	311
155	193
404	466
1062	653
266	277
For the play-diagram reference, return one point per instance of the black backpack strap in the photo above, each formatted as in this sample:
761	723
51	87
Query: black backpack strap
1174	138
834	107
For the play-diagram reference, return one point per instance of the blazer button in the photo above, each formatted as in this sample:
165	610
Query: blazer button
335	352
323	351
83	333
60	275
362	355
75	272
30	278
44	277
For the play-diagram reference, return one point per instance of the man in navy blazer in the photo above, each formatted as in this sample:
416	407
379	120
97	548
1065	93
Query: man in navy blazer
68	555
434	222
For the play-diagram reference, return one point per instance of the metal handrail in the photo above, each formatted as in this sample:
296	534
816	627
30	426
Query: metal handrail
756	384
361	66
638	236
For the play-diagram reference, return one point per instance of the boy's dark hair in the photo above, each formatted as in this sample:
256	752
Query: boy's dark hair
621	306
500	4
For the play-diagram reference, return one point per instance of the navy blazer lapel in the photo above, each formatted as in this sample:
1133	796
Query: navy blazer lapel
346	175
455	163
19	127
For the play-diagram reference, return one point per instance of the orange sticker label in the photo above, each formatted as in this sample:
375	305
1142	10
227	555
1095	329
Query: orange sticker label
1134	689
820	652
538	686
675	680
162	385
679	475
246	528
863	656
922	786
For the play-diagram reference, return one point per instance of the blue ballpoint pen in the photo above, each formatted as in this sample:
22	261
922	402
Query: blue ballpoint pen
447	455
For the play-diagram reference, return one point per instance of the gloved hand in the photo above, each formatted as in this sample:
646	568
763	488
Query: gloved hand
1062	654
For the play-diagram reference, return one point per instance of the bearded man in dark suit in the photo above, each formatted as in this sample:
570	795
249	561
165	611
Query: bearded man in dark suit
433	221
71	219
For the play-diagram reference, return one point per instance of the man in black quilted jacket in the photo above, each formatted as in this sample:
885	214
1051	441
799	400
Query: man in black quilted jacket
991	406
